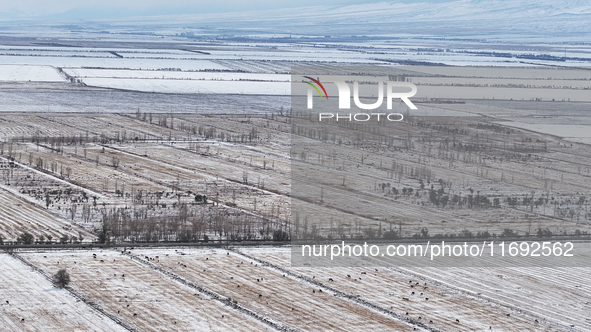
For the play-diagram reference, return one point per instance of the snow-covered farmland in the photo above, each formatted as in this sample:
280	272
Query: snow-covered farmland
112	62
241	163
55	53
19	216
572	132
505	299
28	73
193	86
29	302
297	304
559	296
144	298
84	73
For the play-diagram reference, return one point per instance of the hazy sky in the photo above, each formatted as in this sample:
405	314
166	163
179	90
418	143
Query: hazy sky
142	7
73	9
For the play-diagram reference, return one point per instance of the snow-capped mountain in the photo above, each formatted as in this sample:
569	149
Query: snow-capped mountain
461	17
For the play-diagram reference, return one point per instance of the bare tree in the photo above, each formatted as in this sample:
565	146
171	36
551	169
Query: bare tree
115	161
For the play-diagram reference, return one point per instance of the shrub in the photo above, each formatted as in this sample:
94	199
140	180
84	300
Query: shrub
390	235
61	278
25	238
279	235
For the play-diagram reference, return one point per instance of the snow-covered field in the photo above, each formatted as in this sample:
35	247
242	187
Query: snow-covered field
18	216
185	82
144	298
28	73
55	53
557	295
114	62
150	74
506	299
271	292
145	294
573	132
31	303
48	98
193	86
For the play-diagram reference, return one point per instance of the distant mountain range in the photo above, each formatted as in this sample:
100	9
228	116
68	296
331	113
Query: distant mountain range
570	18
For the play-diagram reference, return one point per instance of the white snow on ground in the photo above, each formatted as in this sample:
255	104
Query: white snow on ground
112	62
185	82
435	110
196	87
584	140
141	296
24	73
29	302
60	53
559	295
275	295
556	296
575	133
17	217
151	74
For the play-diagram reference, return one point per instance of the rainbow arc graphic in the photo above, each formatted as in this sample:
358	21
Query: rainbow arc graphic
314	86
